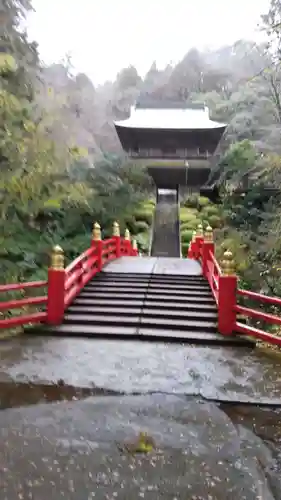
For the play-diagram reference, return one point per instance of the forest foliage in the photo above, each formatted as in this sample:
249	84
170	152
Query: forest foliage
62	166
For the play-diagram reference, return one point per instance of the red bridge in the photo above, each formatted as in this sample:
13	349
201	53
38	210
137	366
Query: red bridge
193	299
110	291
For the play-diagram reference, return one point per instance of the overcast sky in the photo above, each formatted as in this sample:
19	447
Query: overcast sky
104	36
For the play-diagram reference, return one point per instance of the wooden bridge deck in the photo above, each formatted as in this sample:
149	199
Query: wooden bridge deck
154	265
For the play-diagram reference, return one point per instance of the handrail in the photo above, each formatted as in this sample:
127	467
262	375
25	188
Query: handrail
223	283
14	304
8	305
253	313
216	264
152	229
63	284
259	296
257	333
77	261
22	286
178	224
258	314
212	277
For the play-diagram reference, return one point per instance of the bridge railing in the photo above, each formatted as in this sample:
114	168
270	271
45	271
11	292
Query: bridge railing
223	282
63	283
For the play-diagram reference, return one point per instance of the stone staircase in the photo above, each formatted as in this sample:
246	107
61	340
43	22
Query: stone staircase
166	227
148	307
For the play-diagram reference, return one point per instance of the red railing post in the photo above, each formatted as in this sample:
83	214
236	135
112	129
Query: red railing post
199	241
97	244
191	249
117	238
208	248
127	242
56	287
134	248
227	287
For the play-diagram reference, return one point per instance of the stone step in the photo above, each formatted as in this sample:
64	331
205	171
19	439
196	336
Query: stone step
147	321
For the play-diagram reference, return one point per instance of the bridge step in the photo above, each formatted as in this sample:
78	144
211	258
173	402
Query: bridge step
107	302
168	323
161	278
149	335
153	291
149	307
152	285
145	311
208	299
112	302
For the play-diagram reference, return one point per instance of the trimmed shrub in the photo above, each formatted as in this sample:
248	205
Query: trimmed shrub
186	215
132	224
192	225
210	210
191	202
144	214
147	207
203	202
186	236
143	240
149	203
215	221
184	249
239	249
141	226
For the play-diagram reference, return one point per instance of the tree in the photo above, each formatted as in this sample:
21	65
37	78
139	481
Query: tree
14	44
272	23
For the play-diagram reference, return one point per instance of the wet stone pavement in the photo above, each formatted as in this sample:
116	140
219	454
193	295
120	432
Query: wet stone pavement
204	448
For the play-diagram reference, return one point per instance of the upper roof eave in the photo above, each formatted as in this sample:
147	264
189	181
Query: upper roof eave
212	126
169	119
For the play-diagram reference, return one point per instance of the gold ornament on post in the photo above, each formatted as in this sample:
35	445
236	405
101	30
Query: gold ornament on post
57	258
208	236
96	233
199	231
127	235
116	229
228	264
134	245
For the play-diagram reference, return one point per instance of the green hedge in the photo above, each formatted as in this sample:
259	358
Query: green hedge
203	202
190	225
143	240
186	215
215	221
141	226
186	236
191	202
184	249
144	215
210	210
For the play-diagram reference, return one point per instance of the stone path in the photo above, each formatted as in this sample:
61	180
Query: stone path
72	451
